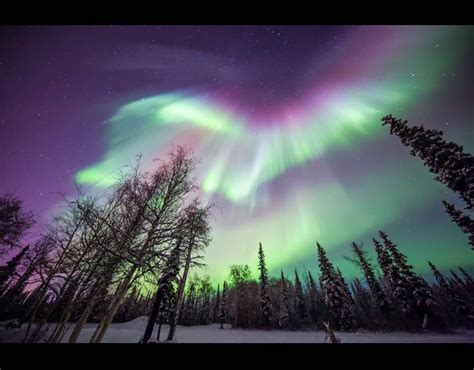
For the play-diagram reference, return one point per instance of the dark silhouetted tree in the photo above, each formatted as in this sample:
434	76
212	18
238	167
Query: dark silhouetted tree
217	305
447	160
265	299
394	279
284	313
223	306
377	293
451	299
452	166
465	223
14	221
301	310
412	283
335	297
8	271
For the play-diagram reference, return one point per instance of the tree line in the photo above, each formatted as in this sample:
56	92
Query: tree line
389	295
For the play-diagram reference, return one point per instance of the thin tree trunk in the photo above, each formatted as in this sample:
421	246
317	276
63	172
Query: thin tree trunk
60	339
425	321
40	298
59	330
39	326
174	316
153	315
114	306
159	329
65	314
92	301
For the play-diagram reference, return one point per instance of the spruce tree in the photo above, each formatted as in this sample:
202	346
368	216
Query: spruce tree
363	304
393	278
464	222
300	306
447	160
265	299
222	310
344	287
377	293
186	318
14	221
413	285
7	271
453	300
467	277
315	310
335	297
284	314
14	294
458	280
217	304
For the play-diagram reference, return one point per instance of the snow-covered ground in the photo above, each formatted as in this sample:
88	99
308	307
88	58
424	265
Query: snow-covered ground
131	332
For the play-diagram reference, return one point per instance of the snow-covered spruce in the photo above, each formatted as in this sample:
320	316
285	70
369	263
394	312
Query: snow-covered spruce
395	281
265	299
378	295
415	289
336	299
284	313
464	222
222	308
453	167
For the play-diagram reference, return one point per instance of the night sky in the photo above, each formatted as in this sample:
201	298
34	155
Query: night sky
284	119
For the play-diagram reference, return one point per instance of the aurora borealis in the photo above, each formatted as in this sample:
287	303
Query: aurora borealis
285	122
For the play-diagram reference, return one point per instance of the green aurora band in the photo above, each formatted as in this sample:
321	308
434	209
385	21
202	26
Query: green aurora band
244	156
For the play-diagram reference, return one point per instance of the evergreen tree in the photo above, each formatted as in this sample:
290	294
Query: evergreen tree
189	314
363	305
335	297
284	314
393	278
217	304
15	293
315	311
344	287
465	223
447	160
7	271
205	303
453	299
222	311
413	285
377	293
467	277
14	220
265	299
300	307
458	280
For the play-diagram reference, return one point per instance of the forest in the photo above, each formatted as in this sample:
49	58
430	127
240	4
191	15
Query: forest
136	250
